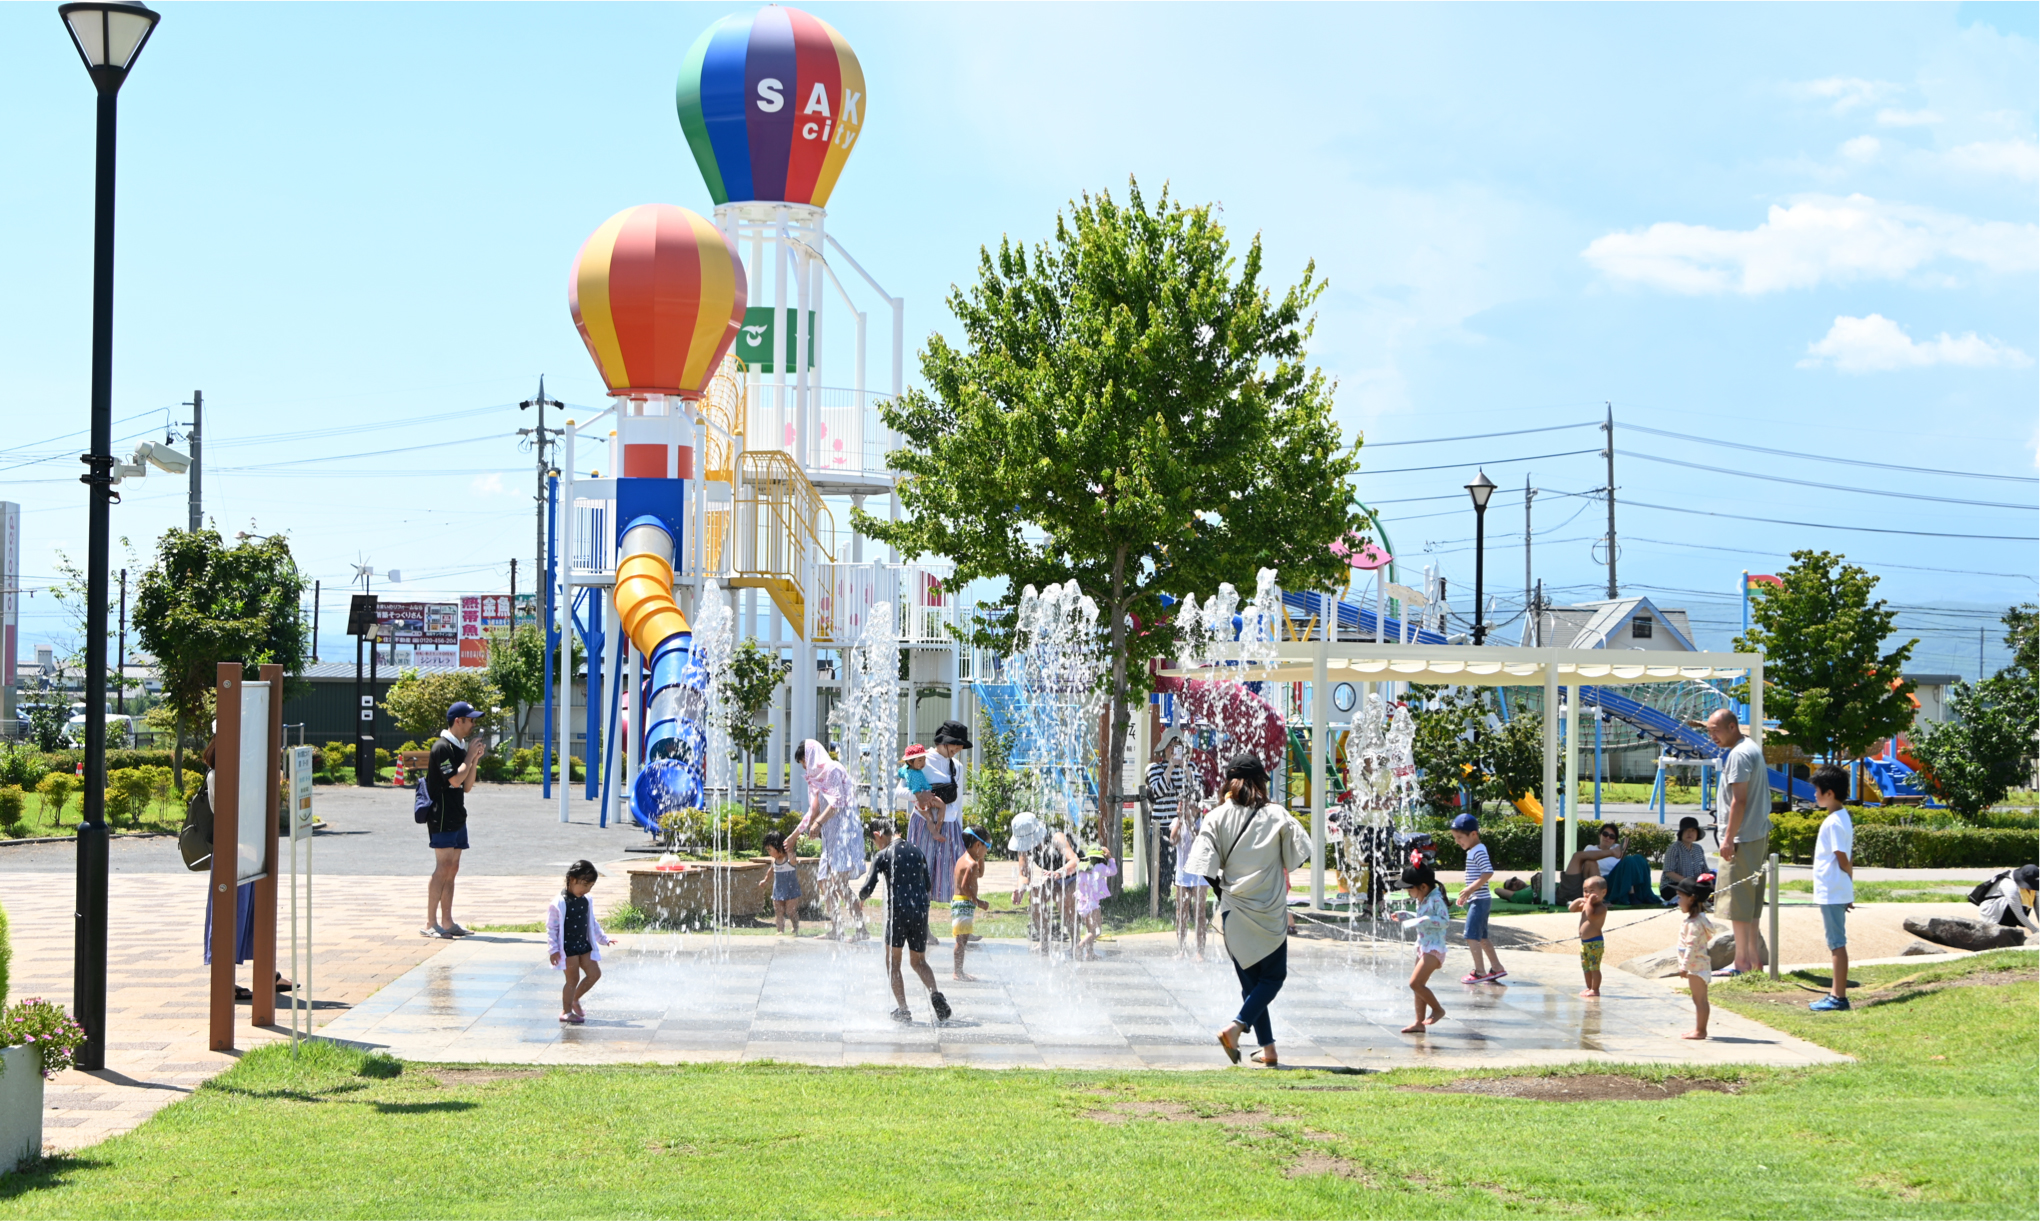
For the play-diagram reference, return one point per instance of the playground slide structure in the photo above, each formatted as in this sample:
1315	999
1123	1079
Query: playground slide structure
675	748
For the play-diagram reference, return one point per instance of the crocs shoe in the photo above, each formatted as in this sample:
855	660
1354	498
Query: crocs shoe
1829	1003
1472	978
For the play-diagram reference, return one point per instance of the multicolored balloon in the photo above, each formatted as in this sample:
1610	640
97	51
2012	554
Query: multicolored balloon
657	293
772	104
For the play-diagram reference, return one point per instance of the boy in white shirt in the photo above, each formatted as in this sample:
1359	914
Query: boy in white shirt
1834	877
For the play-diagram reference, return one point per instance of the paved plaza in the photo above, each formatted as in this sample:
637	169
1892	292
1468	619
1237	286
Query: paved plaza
680	998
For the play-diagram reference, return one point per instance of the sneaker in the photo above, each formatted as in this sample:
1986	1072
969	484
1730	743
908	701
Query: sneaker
455	931
903	1015
941	1005
433	931
1829	1003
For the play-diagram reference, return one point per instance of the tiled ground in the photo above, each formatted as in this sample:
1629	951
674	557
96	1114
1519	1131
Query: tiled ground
157	986
671	998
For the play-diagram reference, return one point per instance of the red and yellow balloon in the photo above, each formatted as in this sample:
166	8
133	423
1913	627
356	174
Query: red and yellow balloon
657	293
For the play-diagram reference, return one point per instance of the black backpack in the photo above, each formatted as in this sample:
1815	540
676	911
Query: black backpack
423	808
194	839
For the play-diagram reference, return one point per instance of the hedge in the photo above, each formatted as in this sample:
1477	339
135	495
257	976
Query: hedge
1518	844
1925	848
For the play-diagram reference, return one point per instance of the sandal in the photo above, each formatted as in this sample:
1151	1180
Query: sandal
1231	1043
243	993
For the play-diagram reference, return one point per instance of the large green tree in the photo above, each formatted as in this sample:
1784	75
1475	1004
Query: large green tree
1986	747
201	603
1829	681
1129	407
517	664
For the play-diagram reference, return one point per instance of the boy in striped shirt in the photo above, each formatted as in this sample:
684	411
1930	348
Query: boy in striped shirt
1477	899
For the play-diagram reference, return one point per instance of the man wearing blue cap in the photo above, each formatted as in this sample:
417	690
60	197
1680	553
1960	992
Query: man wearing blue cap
448	778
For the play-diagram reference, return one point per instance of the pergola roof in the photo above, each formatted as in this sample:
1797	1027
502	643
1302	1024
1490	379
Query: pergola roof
1478	665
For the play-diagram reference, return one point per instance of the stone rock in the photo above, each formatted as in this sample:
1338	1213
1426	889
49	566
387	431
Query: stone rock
1924	948
1663	963
1721	951
1965	933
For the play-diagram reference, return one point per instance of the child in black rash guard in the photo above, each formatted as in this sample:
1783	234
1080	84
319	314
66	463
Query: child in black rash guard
906	915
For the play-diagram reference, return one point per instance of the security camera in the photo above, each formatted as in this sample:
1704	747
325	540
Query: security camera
165	458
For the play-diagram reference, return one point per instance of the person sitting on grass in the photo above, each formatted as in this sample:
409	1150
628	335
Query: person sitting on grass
1696	936
1685	860
1593	909
1834	879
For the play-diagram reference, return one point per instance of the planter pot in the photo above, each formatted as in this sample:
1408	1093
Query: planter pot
21	1105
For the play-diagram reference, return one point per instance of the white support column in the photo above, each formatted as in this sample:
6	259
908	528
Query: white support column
1320	728
1572	759
612	677
564	532
779	257
1549	794
806	414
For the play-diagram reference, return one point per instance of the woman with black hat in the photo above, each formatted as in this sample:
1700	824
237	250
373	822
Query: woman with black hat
1685	860
1247	847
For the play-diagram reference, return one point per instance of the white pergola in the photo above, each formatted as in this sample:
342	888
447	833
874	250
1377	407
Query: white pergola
1325	663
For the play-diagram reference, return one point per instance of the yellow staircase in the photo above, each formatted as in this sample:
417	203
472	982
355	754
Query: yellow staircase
778	531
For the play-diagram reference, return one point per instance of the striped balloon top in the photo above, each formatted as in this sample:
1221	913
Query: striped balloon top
772	103
657	293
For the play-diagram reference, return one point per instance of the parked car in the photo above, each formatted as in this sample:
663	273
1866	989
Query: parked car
120	730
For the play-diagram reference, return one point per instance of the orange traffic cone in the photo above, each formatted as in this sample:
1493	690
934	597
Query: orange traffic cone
398	779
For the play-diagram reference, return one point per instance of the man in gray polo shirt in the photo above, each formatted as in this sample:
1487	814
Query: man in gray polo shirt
1745	835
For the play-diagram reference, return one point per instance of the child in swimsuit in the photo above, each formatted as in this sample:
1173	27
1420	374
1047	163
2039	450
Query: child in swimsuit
575	940
963	909
1429	922
1593	909
1092	888
784	879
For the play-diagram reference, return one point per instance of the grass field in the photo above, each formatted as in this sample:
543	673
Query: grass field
1935	1120
1893	891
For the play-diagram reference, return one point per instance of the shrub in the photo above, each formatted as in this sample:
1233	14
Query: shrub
11	803
56	789
118	805
1919	848
21	766
383	758
6	954
493	767
523	760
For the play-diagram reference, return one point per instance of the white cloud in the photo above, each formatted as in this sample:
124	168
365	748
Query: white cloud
1844	93
1814	240
487	485
1875	344
1891	116
1862	148
2015	158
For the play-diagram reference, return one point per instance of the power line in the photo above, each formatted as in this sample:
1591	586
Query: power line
1848	462
1874	530
1425	441
1784	479
1744	551
1493	462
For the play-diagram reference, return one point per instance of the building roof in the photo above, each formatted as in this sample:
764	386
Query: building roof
1589	625
1921	680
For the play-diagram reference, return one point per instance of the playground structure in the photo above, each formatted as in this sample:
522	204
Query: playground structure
723	447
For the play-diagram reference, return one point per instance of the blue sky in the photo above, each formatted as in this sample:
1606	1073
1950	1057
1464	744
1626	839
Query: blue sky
1806	227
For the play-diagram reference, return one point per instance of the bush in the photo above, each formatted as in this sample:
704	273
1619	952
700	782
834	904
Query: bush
21	766
1919	848
6	954
493	767
56	789
11	805
418	702
383	758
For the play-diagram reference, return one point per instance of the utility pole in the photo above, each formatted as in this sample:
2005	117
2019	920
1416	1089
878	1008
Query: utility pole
1609	454
121	657
513	596
315	621
1537	617
541	439
197	406
1529	494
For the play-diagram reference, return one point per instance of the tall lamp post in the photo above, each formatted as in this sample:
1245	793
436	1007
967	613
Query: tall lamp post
1480	490
109	36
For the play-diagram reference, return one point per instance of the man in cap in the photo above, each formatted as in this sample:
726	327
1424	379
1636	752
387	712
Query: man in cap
448	777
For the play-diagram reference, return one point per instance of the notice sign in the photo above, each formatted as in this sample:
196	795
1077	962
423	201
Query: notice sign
299	797
481	616
433	625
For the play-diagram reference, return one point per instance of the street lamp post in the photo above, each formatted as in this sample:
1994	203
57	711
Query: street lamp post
1480	490
109	36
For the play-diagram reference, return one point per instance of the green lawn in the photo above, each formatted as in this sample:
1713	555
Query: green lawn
1893	891
1935	1120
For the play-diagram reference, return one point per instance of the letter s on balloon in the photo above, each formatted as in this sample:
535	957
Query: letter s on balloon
769	99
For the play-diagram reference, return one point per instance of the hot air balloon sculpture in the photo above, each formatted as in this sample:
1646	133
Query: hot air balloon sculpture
658	293
772	103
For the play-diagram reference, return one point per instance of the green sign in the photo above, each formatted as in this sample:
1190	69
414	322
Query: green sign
754	339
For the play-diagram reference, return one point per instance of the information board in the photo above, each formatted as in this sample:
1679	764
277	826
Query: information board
250	835
299	798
